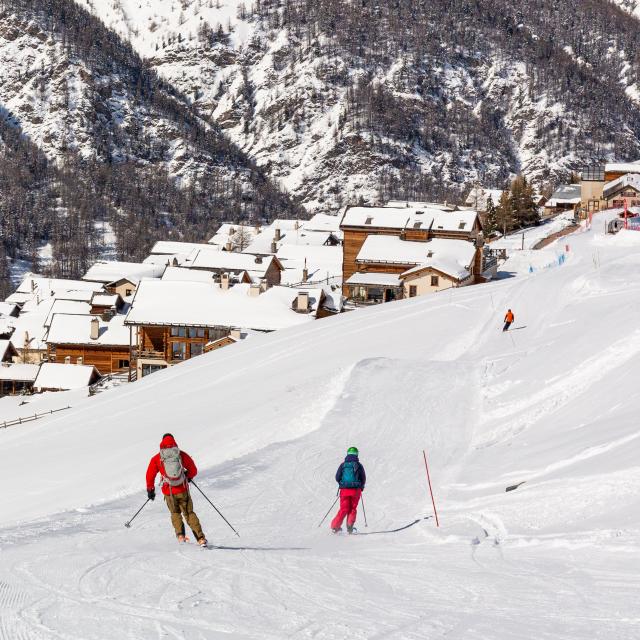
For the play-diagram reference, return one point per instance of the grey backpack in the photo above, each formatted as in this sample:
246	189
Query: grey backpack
173	468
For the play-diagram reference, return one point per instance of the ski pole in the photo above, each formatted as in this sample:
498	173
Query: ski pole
214	506
330	508
426	466
128	524
364	512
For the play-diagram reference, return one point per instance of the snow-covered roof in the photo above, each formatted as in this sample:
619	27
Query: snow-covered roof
7	324
322	262
630	167
76	329
172	247
45	287
164	259
628	180
300	235
107	272
193	275
30	325
375	279
565	194
324	222
401	218
256	266
163	302
66	306
420	204
77	296
53	375
7	308
454	254
105	300
5	345
19	372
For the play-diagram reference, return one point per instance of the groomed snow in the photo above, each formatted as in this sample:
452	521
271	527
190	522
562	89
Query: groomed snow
552	404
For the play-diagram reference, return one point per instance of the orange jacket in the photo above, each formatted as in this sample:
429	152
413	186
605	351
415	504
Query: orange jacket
509	317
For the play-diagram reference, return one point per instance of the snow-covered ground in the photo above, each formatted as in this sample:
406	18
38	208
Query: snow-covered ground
552	404
528	238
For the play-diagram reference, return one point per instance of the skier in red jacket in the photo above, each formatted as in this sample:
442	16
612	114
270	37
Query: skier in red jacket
177	468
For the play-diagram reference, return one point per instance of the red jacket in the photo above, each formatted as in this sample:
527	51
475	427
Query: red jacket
156	467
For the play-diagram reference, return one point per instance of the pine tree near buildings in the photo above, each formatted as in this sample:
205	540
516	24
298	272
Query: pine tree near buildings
523	206
491	217
504	213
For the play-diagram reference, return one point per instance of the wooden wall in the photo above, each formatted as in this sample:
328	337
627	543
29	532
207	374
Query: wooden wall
104	358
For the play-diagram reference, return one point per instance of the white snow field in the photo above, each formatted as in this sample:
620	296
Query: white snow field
553	404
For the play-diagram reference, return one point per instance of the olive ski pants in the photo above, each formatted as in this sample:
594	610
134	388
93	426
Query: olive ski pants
181	506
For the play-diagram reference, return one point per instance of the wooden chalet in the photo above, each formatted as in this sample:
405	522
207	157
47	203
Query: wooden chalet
407	223
623	192
175	320
390	268
17	379
595	177
90	340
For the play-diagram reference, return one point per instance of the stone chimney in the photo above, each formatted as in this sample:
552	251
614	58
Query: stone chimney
302	305
175	261
305	272
95	328
254	290
274	247
236	334
278	234
228	246
224	281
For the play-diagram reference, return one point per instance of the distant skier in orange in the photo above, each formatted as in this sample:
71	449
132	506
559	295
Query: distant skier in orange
508	319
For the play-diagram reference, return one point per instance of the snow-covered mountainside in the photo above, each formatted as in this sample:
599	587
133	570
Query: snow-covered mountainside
550	406
89	135
339	101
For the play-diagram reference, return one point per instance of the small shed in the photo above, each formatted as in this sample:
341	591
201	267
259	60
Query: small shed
17	378
63	377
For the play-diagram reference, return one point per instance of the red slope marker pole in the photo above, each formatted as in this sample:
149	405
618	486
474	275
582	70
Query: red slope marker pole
433	502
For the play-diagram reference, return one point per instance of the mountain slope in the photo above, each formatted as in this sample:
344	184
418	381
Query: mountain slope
121	145
551	404
341	101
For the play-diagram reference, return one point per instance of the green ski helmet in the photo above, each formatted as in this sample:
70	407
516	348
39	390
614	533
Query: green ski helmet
352	451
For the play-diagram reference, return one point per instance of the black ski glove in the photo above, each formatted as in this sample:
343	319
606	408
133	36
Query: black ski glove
151	494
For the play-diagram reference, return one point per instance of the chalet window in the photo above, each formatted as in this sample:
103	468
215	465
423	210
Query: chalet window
192	332
151	368
462	225
413	291
178	350
196	332
180	332
196	348
123	364
128	292
435	281
369	220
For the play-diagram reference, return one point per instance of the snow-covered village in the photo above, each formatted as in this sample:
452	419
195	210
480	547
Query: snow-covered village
276	277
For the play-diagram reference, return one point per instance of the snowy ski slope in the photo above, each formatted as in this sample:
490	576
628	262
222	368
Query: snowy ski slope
552	404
